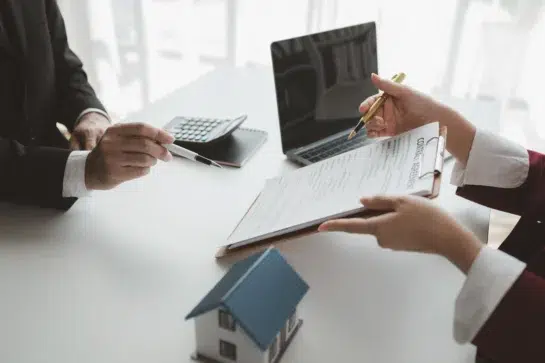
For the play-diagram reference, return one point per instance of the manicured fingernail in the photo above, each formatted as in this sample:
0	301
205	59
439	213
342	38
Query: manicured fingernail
168	157
322	228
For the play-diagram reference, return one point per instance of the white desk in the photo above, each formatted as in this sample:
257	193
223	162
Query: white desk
111	280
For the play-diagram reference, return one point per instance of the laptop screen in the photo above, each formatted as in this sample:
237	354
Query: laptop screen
320	81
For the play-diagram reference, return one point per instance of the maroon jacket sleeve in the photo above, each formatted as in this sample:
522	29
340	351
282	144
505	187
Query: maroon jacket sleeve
515	332
525	198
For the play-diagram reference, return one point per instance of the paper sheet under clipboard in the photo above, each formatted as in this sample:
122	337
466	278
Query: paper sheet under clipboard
405	164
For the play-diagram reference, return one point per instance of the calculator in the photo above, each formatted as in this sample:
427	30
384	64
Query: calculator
201	130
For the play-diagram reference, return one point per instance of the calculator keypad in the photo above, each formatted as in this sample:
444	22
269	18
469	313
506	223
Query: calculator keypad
194	129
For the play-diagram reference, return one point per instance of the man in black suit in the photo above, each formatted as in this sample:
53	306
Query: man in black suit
42	82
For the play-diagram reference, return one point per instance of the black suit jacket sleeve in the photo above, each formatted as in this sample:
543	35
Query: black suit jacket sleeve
75	93
33	175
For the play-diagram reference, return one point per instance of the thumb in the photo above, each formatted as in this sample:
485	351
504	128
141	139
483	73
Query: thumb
390	87
90	142
164	137
351	225
74	143
382	203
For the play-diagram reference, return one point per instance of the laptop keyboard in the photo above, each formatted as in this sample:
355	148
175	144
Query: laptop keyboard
334	147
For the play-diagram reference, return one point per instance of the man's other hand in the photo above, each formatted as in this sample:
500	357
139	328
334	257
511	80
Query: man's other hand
125	152
90	128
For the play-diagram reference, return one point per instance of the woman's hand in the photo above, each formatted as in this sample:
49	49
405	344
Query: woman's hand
413	224
406	109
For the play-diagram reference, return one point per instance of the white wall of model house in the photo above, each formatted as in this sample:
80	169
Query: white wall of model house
208	334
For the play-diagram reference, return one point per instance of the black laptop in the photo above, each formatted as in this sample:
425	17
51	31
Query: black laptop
320	81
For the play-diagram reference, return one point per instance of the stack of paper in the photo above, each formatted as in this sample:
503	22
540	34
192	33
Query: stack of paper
329	189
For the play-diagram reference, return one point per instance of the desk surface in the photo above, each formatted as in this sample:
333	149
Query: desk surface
112	279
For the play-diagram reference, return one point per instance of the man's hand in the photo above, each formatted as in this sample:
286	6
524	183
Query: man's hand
413	224
88	132
125	152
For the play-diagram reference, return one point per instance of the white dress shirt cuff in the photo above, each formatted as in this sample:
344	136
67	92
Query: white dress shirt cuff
89	110
74	175
493	161
488	280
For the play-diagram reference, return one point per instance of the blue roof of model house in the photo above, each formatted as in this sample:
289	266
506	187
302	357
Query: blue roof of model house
260	292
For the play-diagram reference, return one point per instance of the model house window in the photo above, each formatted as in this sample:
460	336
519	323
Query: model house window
273	349
226	320
228	350
291	322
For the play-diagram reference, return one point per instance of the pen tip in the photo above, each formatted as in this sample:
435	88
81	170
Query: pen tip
352	134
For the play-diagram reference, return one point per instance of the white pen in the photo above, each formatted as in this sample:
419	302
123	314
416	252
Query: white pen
188	154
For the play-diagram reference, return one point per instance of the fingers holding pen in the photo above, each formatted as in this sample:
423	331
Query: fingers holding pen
376	127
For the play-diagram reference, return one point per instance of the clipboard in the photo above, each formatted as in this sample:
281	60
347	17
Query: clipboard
226	251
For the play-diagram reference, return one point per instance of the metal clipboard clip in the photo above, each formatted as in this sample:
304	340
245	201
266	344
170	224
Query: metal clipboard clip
437	168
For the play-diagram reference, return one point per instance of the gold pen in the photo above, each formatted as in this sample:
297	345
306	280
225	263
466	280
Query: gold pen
398	78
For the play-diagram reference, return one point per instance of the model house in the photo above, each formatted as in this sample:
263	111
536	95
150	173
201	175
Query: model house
250	316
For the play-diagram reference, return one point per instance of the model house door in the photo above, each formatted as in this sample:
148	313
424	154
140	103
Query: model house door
283	335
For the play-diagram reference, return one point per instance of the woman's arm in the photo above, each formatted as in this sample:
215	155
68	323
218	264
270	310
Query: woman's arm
515	331
492	170
460	133
406	109
501	308
513	181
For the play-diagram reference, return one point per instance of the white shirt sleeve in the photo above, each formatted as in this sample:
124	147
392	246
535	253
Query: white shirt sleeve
493	161
74	175
89	110
488	280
